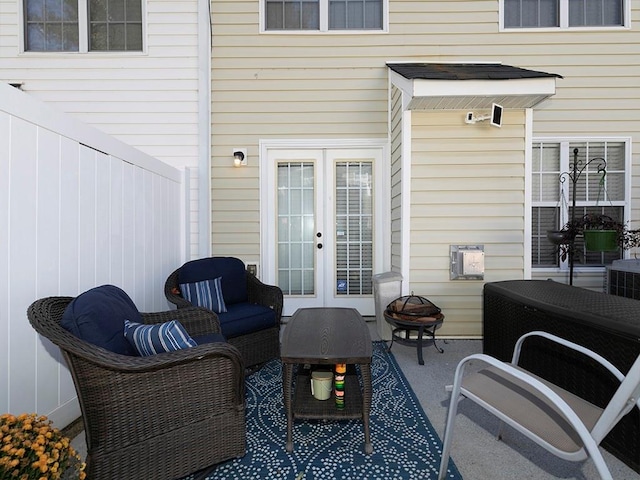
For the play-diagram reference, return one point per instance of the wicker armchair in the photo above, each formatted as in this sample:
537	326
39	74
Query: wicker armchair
258	346
162	416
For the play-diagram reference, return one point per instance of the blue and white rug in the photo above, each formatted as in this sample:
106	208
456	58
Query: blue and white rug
405	445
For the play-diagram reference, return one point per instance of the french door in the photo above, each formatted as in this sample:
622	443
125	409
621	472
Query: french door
321	245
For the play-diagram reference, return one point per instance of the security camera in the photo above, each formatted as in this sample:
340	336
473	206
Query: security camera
469	118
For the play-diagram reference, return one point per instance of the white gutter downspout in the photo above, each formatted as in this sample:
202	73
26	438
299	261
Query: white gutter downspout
204	128
407	148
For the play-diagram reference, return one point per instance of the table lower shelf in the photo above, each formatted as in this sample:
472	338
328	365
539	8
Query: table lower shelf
306	406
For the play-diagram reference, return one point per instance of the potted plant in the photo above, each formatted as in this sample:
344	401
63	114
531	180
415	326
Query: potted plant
30	448
601	233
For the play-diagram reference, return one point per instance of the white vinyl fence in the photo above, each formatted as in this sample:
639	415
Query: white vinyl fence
77	209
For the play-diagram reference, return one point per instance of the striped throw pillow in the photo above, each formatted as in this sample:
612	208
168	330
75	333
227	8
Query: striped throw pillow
157	338
207	294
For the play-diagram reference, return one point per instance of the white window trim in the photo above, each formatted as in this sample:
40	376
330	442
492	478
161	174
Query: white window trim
563	141
324	23
564	21
83	34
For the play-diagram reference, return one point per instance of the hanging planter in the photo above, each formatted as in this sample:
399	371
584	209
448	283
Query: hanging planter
559	237
600	240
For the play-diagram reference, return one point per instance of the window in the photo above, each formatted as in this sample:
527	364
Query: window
552	197
323	15
82	25
564	13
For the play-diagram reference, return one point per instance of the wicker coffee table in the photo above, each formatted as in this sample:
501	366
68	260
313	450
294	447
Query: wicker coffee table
326	336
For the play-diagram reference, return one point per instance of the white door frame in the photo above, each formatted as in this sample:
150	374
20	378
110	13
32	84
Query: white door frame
382	246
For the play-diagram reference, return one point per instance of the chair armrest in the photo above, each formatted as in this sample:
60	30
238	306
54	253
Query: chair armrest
170	287
196	320
571	345
133	364
267	295
186	384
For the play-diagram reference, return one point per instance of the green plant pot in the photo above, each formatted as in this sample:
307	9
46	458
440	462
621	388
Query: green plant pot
600	240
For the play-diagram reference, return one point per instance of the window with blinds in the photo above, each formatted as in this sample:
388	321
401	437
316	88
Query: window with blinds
564	13
552	193
323	15
57	26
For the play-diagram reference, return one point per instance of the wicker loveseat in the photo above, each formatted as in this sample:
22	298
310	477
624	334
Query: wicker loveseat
251	321
162	416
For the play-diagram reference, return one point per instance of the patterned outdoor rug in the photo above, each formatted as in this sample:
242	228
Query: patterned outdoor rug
405	446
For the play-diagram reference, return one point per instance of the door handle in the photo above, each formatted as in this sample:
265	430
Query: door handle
319	246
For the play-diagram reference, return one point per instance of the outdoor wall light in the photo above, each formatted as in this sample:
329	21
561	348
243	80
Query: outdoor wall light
239	157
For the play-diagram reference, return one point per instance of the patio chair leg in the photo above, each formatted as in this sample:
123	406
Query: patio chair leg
448	432
500	431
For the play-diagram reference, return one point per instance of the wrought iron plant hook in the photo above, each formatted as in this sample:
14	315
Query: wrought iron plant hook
574	175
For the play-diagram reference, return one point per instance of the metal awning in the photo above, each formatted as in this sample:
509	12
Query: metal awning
468	86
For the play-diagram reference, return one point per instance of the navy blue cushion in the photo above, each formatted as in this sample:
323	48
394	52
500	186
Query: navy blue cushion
210	338
97	316
157	338
243	318
231	269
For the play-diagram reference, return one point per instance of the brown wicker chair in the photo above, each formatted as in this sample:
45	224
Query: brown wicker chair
256	347
162	416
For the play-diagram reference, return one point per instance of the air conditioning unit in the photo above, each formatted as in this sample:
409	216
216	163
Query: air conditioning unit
623	278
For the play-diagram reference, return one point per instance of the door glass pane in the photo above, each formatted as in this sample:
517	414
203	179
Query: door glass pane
296	227
354	228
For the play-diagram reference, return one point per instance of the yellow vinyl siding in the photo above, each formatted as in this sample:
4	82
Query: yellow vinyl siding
467	182
396	179
467	187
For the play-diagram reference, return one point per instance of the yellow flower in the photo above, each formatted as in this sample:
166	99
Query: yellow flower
30	446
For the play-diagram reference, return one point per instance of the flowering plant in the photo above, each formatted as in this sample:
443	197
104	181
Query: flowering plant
31	449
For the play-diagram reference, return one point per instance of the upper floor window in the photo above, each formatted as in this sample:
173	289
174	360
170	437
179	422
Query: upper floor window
323	15
82	25
564	13
552	200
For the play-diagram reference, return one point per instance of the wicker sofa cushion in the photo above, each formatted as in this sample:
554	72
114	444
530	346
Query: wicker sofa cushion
231	269
157	338
243	318
97	316
206	293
